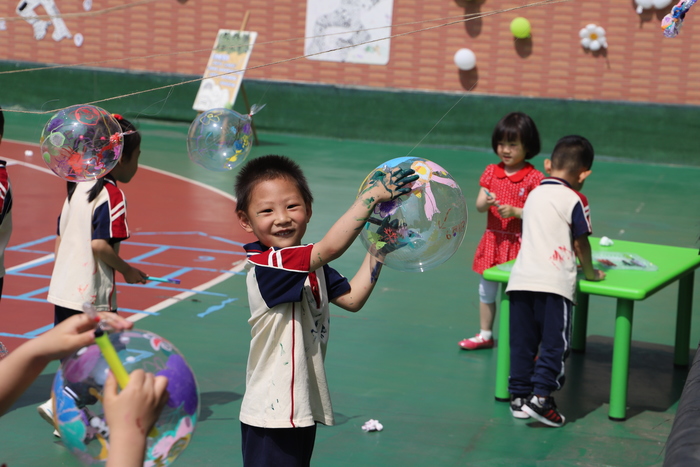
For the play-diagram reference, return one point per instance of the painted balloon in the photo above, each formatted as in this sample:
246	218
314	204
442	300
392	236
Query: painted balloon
421	230
81	143
220	139
77	398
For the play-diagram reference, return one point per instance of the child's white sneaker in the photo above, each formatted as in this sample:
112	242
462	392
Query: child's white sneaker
46	411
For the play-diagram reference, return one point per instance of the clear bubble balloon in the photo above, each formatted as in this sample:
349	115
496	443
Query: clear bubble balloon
77	398
421	230
81	143
220	139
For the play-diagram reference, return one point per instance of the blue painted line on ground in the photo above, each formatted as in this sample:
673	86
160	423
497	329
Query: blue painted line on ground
32	243
157	250
36	252
32	265
214	308
26	274
177	289
186	248
21	297
29	295
143	312
30	334
226	240
194	268
201	234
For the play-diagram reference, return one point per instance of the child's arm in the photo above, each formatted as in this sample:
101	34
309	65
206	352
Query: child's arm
361	286
131	414
21	367
382	187
582	247
485	199
105	252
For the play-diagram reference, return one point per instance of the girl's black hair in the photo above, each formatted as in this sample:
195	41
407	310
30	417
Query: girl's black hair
517	126
131	142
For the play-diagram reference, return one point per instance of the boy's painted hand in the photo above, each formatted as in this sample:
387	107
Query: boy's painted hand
393	183
389	237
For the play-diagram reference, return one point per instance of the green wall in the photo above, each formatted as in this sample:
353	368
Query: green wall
643	132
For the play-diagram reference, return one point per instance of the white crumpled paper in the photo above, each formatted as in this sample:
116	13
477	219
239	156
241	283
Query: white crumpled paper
372	425
605	241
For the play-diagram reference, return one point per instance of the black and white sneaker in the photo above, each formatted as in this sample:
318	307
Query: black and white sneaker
516	406
545	410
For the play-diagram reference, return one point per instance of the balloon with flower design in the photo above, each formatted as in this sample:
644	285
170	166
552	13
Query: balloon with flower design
77	398
81	143
420	230
221	139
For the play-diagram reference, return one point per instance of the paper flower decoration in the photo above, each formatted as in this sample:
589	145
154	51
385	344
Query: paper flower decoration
649	4
593	38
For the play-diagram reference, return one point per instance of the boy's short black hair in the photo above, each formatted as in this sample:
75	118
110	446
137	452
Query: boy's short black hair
265	168
517	126
572	153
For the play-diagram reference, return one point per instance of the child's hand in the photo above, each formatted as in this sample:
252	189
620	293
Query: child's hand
134	276
387	185
389	238
506	211
599	276
74	333
137	407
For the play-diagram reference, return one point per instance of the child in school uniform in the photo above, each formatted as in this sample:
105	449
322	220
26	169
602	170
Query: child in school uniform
290	286
90	228
542	284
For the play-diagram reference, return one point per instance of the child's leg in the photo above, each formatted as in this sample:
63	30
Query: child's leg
61	314
487	314
554	317
524	341
273	447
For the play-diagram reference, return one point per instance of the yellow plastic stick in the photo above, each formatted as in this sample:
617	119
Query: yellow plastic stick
110	355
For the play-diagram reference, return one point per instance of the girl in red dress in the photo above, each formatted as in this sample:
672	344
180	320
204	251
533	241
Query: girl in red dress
502	193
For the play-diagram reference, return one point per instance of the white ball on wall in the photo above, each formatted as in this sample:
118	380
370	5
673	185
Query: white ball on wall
465	59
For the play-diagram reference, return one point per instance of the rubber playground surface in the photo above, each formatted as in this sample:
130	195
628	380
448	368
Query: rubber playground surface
396	360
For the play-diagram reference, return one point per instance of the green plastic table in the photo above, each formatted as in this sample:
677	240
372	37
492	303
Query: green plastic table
674	264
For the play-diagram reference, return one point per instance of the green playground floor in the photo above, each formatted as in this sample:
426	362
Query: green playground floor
397	360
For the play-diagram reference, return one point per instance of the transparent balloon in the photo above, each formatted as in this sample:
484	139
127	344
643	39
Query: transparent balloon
81	143
77	398
220	139
421	230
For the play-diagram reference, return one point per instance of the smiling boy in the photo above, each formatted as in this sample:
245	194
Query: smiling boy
290	286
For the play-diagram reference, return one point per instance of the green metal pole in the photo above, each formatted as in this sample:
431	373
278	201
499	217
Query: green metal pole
621	360
685	303
580	323
503	359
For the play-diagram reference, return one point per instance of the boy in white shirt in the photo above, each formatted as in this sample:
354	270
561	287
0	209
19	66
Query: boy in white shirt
290	286
542	285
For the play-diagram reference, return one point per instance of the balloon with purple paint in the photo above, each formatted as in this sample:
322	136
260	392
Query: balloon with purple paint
81	143
77	398
420	230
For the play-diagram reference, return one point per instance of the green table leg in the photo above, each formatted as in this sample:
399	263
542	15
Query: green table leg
503	359
685	302
621	360
580	323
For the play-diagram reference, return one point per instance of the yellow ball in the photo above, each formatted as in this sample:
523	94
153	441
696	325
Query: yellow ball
520	27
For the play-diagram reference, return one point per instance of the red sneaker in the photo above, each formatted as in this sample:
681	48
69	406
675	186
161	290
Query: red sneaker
476	342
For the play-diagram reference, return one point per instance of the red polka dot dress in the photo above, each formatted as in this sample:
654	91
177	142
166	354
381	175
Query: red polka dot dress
501	241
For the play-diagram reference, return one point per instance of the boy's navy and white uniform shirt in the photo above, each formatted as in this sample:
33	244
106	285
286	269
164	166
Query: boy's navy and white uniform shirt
5	214
553	216
78	276
286	383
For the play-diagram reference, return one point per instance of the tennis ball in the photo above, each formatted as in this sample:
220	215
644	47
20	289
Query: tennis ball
520	27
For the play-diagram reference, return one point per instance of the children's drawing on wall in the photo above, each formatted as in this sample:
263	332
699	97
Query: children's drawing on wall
337	24
28	9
